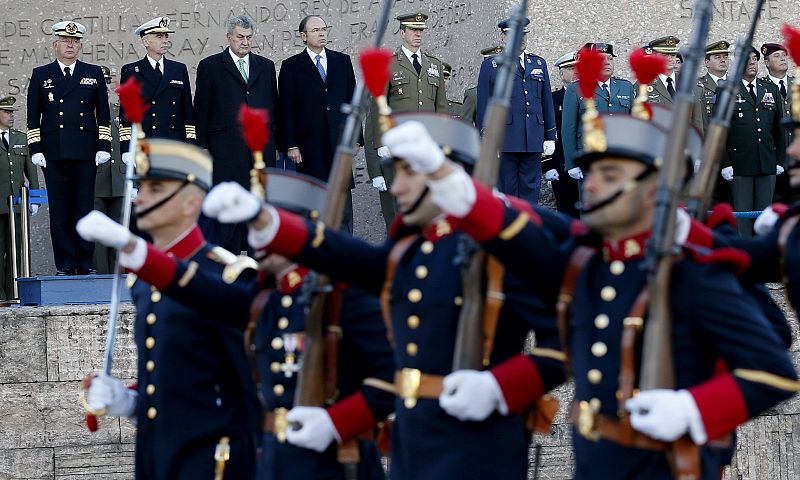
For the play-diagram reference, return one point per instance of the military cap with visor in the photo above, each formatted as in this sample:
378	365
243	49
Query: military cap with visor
156	25
413	20
69	29
7	103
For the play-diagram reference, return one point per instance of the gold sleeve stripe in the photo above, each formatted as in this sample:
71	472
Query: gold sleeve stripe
516	226
124	138
379	384
191	135
769	379
104	129
188	275
550	353
104	137
319	236
190	127
125	130
34	135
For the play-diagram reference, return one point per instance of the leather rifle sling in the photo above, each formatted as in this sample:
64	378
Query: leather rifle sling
256	309
495	298
395	254
569	283
333	310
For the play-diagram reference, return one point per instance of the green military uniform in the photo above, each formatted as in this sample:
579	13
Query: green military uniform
782	189
453	107
705	93
408	91
15	168
658	92
108	192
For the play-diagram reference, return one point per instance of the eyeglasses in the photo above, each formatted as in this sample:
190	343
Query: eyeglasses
318	30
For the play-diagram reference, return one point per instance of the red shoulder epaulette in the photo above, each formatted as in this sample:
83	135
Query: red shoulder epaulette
721	213
781	209
578	229
733	257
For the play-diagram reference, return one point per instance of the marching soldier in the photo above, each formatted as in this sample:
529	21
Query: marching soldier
422	291
454	108
165	87
705	94
470	103
109	184
195	405
416	85
613	95
620	432
776	61
565	188
663	88
755	150
16	170
69	135
531	126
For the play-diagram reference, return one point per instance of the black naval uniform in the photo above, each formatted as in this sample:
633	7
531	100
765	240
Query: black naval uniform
424	302
713	320
69	122
364	363
193	381
565	188
169	95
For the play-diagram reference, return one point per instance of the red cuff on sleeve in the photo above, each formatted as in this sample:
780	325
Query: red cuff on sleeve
700	235
352	416
721	404
291	237
485	221
780	209
520	382
721	213
159	268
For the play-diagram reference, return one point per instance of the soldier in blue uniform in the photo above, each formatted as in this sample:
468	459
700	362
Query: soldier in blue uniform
531	126
165	87
195	404
421	291
613	95
69	134
364	390
621	432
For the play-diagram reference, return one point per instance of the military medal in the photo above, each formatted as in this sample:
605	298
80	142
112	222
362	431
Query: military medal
50	96
293	344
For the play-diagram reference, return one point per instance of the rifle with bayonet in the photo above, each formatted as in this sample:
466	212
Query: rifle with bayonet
702	187
469	351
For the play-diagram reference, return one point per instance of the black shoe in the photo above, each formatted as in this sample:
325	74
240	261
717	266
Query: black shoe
63	272
86	271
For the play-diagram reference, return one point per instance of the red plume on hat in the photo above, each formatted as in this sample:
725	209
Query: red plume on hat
590	64
254	123
131	100
375	66
646	67
792	36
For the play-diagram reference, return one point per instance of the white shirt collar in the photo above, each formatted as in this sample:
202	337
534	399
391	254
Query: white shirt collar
322	54
71	67
236	59
607	83
409	53
665	77
755	85
716	78
153	63
777	81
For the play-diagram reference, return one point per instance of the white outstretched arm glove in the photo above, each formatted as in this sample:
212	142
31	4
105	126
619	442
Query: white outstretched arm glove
127	158
727	173
33	209
97	227
551	175
683	226
108	392
549	147
667	415
101	157
470	395
316	430
39	160
229	202
575	172
379	183
455	194
412	142
766	221
383	152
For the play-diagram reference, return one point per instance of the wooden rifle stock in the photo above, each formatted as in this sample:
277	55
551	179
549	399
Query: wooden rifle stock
468	352
658	369
702	187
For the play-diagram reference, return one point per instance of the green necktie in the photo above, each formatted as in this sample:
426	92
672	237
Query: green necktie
242	70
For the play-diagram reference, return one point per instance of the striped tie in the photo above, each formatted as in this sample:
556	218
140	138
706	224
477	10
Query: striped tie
242	70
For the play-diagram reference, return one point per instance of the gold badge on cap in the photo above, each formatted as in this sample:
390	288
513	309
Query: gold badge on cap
418	18
164	22
71	28
142	163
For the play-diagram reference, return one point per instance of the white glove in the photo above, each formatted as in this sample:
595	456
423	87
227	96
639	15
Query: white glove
455	194
471	395
108	392
38	160
316	430
134	193
34	209
766	221
229	202
575	173
379	183
683	224
666	415
412	142
551	175
97	227
101	157
727	173
549	147
127	158
383	152
778	170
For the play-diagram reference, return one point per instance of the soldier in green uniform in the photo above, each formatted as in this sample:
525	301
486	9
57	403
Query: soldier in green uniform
663	88
469	107
416	85
777	63
755	150
454	107
109	183
15	169
705	94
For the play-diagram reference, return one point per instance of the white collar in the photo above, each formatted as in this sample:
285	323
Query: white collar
777	81
236	58
607	83
716	78
746	83
322	54
71	67
409	53
665	77
153	62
